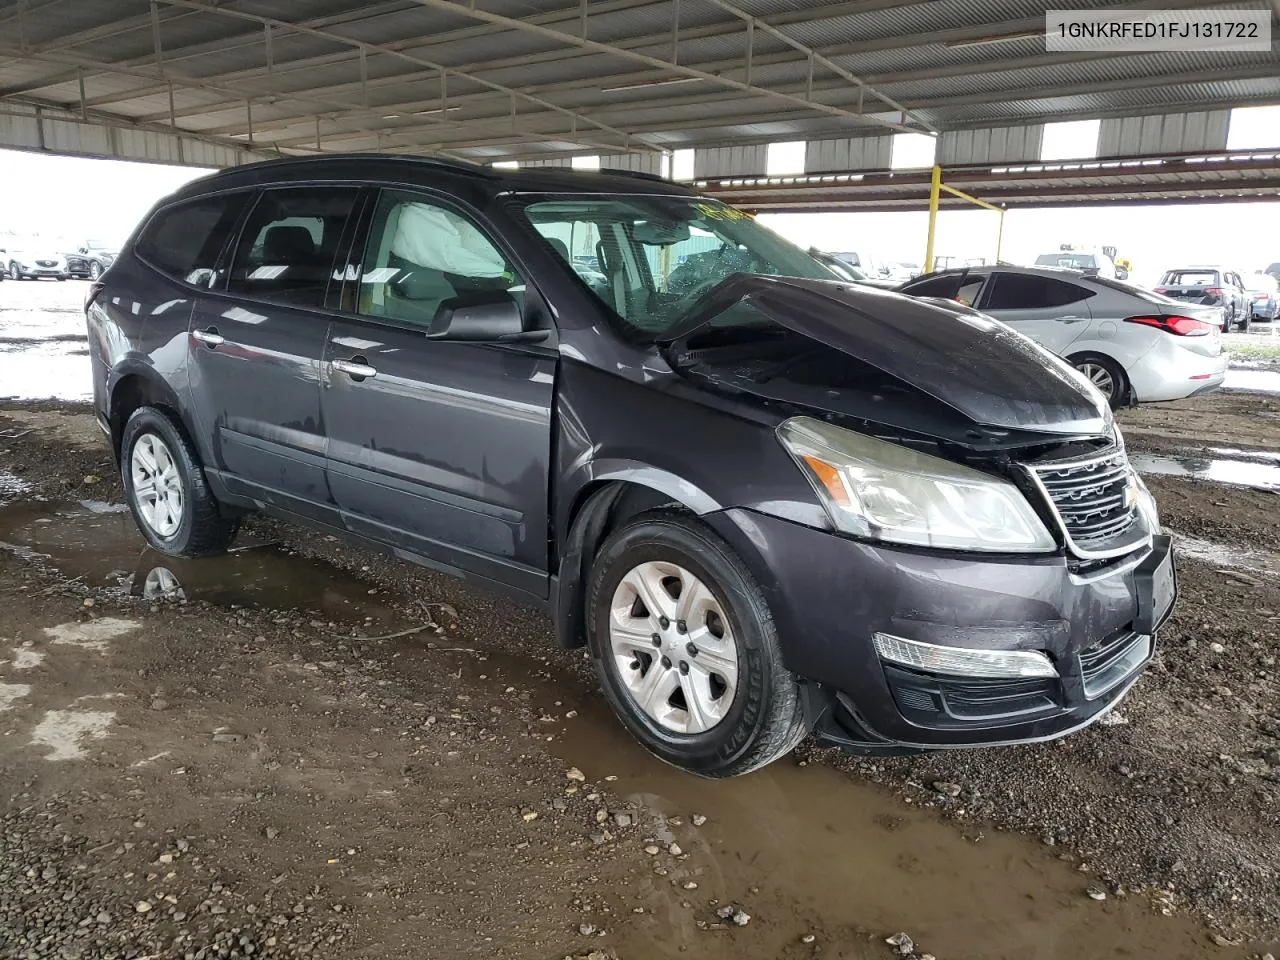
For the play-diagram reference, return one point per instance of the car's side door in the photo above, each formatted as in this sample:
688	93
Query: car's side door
256	348
440	446
1053	312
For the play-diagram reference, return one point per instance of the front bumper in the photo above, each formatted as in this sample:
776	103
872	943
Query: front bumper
37	270
830	594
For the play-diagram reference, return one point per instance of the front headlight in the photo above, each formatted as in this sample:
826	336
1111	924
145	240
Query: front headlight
885	491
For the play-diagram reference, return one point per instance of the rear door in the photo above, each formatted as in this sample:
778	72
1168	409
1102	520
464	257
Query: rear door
1051	311
439	447
256	349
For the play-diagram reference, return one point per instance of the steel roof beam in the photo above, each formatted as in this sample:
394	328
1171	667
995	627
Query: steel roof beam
595	46
953	70
598	8
445	72
1014	95
87	63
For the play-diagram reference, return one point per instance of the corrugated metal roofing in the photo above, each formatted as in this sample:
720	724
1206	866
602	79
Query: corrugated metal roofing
951	63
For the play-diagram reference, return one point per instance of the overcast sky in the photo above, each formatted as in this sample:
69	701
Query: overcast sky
82	199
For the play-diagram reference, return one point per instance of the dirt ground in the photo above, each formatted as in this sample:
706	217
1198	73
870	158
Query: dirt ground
312	750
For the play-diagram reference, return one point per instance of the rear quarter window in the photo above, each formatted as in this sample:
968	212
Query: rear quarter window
183	241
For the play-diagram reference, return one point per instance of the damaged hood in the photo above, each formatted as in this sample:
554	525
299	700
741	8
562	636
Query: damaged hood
971	363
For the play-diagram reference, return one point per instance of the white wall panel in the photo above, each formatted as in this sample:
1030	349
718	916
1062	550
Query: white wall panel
849	153
990	145
66	133
748	160
1204	131
636	162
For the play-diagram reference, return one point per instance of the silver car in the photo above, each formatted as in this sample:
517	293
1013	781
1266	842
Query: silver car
1134	345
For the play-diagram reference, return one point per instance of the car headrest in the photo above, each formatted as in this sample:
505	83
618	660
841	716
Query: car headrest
562	248
288	245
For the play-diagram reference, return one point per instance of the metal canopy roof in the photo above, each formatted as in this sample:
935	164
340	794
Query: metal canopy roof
1221	178
494	79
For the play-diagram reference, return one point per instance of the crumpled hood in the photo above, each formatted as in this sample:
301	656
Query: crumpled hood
977	366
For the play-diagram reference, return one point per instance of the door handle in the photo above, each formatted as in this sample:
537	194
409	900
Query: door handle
210	338
357	368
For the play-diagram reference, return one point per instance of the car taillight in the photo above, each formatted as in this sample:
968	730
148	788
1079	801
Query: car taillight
95	288
1213	292
1178	326
1160	289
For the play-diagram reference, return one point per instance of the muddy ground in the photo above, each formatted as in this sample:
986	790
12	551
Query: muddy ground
313	750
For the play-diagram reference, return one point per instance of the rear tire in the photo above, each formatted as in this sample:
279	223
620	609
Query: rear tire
1105	374
166	488
745	710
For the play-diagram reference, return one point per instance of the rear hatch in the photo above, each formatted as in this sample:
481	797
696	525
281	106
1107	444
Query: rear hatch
1192	286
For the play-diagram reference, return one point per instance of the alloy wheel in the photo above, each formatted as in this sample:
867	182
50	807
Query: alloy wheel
673	647
1099	376
157	485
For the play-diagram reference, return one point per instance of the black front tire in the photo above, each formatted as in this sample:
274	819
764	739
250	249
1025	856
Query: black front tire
765	720
203	529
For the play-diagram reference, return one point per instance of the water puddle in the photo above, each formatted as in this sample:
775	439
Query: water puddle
47	369
810	851
806	851
1242	473
1262	456
1254	381
44	346
1221	556
11	488
99	544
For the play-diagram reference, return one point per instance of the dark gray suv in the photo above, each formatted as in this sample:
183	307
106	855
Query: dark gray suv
769	502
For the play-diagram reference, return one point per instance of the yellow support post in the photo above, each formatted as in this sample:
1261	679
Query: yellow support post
935	188
1000	235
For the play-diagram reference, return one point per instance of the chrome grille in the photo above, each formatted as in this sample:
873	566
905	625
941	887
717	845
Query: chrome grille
1092	498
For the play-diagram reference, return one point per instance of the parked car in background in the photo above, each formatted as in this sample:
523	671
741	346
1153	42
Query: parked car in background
1209	286
1273	270
89	260
847	271
901	271
1264	296
871	266
1090	263
764	500
1133	345
36	260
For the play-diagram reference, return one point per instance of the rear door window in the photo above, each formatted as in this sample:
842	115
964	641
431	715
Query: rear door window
286	250
183	241
1023	291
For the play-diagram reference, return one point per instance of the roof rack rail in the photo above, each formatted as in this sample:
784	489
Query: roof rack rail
463	165
637	174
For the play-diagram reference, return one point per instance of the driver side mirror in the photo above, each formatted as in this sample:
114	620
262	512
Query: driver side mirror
481	317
